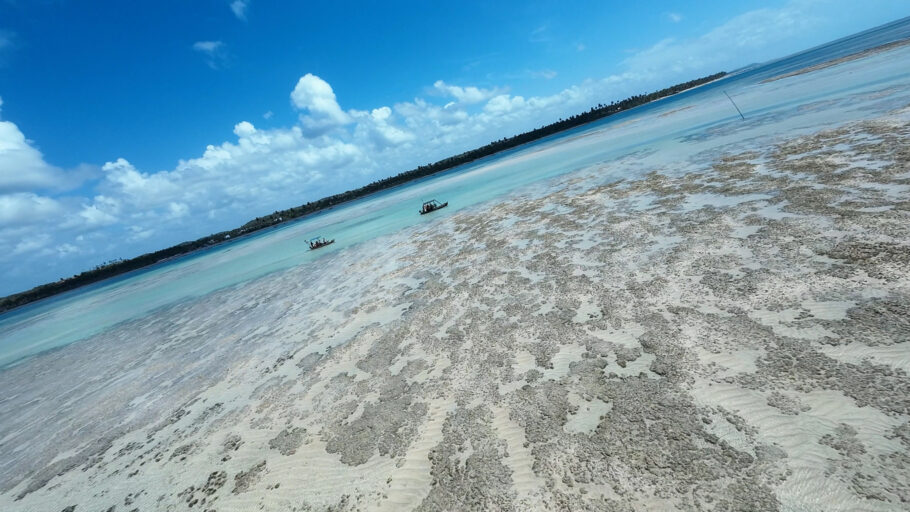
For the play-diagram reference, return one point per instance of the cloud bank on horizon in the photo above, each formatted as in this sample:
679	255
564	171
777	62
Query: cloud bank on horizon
55	222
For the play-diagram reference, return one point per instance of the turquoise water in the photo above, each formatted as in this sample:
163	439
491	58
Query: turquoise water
662	133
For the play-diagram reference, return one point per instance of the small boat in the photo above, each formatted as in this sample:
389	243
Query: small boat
431	206
317	242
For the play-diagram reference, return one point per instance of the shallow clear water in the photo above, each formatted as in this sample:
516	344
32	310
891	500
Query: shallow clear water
655	136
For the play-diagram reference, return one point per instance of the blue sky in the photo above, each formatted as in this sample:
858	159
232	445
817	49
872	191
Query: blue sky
130	126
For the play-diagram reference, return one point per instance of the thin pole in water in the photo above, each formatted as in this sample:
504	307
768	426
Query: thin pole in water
734	105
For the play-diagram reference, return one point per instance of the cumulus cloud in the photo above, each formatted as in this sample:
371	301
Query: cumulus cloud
464	95
101	212
215	53
124	180
239	7
22	167
177	210
244	129
31	244
316	97
26	208
504	104
378	126
260	166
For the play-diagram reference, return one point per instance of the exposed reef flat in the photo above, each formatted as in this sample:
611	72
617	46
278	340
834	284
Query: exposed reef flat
728	334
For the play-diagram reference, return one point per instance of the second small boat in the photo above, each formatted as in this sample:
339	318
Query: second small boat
431	206
317	242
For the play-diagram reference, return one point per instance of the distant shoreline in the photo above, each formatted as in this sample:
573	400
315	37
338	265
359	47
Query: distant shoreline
121	267
840	60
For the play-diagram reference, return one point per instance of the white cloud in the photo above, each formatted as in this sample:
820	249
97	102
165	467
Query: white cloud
215	52
65	249
22	167
378	127
102	212
673	17
464	95
504	104
272	164
580	47
142	189
268	115
316	96
93	216
31	244
546	74
239	7
25	208
207	47
139	233
244	129
177	210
